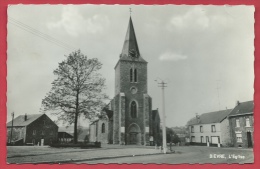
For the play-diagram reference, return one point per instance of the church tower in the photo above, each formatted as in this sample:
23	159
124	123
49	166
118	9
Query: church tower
131	104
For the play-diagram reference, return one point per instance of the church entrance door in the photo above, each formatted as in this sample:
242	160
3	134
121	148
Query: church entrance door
133	138
134	134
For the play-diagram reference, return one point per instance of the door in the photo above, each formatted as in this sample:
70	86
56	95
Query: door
42	142
214	139
133	138
249	139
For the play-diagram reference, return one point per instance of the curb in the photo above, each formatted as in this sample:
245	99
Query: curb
88	159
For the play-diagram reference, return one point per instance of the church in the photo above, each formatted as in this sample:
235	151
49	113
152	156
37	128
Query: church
128	119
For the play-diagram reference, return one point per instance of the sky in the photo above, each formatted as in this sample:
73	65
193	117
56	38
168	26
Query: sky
204	53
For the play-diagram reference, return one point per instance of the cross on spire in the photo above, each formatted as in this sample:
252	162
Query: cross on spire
130	10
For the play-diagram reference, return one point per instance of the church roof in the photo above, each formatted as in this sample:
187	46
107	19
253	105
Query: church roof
130	45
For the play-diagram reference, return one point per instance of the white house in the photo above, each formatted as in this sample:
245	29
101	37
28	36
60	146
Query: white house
210	129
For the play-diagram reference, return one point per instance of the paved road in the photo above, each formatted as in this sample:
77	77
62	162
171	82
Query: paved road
117	154
191	155
36	154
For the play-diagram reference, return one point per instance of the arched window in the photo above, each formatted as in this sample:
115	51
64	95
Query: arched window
131	75
135	74
133	109
103	128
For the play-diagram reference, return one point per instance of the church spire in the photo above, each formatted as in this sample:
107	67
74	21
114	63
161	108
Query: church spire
130	49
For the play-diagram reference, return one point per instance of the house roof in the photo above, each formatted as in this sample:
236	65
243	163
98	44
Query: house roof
109	113
212	117
243	108
19	121
63	134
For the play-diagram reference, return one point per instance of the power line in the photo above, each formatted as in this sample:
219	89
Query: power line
37	31
39	34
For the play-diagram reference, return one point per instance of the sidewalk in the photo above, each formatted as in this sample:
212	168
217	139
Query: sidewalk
51	155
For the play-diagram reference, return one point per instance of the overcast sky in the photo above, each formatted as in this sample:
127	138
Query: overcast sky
205	53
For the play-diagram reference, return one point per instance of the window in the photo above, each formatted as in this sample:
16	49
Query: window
237	123
43	122
131	75
103	129
135	74
133	109
213	128
192	129
201	129
193	139
34	132
201	139
42	132
248	122
51	133
239	137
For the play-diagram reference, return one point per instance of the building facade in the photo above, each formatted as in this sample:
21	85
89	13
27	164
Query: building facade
241	122
34	129
210	129
130	120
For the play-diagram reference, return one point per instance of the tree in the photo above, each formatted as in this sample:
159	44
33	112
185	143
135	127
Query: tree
171	136
77	90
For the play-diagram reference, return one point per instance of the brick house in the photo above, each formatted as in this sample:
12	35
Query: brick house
32	129
241	121
131	119
210	129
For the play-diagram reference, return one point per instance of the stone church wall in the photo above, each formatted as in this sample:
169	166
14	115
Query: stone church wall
116	119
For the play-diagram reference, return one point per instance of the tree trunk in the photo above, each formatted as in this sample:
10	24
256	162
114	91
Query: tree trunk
76	120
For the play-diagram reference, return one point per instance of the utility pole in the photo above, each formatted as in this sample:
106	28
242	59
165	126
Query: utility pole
12	127
162	84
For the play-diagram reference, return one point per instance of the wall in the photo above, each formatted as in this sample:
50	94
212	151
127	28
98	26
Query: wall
92	132
122	116
243	129
17	134
102	137
225	132
206	132
50	131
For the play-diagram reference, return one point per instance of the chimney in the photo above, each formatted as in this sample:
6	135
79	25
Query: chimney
25	117
237	103
198	118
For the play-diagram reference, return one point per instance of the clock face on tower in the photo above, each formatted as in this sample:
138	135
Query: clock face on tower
133	53
133	90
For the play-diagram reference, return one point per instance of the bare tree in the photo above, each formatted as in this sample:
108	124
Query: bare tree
77	90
